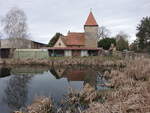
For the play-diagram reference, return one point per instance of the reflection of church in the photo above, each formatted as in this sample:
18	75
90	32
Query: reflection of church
75	74
87	75
21	79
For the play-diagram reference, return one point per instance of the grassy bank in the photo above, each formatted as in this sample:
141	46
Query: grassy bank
63	61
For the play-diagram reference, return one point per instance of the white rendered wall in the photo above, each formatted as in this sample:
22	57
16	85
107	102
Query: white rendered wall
68	53
84	53
59	43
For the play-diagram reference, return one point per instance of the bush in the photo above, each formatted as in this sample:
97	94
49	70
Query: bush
106	43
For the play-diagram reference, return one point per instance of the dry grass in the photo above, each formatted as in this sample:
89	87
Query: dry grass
64	61
39	105
131	92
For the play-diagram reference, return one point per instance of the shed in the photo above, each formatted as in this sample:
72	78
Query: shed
5	52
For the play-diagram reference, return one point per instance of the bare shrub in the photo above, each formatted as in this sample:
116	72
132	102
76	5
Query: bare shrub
39	105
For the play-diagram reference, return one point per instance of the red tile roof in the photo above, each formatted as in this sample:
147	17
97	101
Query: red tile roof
91	20
74	38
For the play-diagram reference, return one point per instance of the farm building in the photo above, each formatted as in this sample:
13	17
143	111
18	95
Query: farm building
8	46
21	44
76	43
6	52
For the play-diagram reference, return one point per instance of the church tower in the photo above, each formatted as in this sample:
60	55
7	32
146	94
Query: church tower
91	31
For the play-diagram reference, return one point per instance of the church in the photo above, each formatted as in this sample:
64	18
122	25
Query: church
78	43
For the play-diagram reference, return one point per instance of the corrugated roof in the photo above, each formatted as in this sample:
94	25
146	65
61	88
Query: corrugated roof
91	20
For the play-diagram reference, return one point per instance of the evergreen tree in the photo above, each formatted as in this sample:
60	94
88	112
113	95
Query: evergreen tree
144	33
105	43
54	39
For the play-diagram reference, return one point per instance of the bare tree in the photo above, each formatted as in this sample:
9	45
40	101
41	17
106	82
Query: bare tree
122	41
16	91
123	35
103	32
15	26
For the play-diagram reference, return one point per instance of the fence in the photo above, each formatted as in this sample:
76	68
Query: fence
31	53
131	54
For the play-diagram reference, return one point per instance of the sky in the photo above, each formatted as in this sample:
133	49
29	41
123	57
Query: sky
46	17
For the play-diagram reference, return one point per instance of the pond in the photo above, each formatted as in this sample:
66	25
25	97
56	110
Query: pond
20	85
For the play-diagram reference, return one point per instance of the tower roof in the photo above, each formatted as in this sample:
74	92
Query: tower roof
91	20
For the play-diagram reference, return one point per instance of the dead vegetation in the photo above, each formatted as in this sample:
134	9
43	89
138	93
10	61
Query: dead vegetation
39	105
130	92
65	61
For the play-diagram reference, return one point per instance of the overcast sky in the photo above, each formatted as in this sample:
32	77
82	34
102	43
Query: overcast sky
46	17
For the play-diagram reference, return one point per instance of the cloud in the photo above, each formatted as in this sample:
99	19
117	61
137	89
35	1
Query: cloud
46	17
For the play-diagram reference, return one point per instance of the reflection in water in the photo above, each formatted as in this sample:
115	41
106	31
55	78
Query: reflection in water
4	72
25	82
87	75
16	91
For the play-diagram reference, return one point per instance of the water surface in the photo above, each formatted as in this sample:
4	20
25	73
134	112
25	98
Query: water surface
20	85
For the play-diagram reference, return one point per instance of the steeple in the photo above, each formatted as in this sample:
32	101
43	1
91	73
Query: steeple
91	20
91	30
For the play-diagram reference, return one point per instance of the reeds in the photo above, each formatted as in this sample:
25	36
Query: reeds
130	91
64	61
39	105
